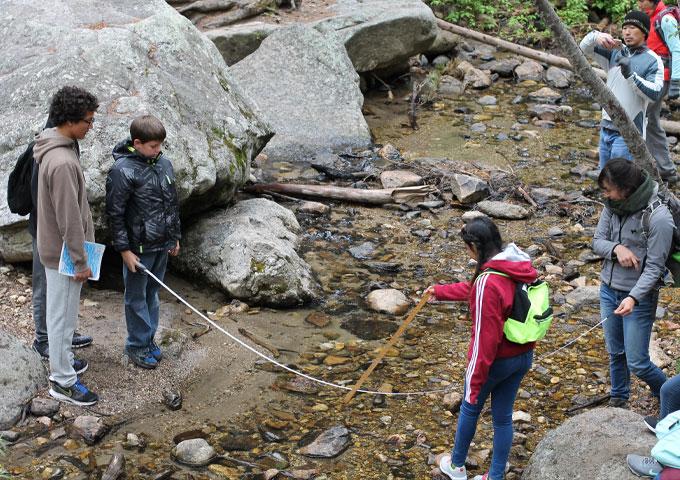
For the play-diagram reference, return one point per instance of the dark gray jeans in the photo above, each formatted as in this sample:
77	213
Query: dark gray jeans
655	136
39	299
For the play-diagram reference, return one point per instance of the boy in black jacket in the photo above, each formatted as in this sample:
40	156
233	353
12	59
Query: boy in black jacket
143	213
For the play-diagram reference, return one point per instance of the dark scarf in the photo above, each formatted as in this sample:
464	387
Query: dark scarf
636	201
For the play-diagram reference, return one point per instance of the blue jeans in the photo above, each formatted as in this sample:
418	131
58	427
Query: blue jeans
612	145
670	396
502	384
142	305
627	341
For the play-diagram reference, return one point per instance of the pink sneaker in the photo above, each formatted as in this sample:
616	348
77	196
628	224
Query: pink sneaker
454	473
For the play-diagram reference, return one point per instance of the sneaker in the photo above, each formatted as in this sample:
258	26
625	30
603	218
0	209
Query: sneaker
643	466
650	422
79	365
78	394
482	477
454	473
42	349
80	341
144	360
618	402
155	351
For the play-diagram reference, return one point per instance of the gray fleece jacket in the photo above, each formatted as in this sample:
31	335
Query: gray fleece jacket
635	92
63	211
651	249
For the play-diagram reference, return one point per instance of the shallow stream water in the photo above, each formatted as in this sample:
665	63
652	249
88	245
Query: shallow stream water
395	437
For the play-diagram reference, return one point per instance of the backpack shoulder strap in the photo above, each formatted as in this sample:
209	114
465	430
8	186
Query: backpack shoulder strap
672	10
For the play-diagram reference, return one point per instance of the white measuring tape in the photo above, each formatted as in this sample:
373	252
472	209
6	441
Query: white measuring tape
318	380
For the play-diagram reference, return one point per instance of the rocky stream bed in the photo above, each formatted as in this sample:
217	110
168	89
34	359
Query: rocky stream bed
245	419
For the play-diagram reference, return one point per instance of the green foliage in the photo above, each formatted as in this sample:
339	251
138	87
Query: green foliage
518	19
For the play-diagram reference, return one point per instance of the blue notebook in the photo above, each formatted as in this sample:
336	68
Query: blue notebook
95	253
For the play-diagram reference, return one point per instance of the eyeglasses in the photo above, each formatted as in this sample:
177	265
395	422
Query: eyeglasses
89	121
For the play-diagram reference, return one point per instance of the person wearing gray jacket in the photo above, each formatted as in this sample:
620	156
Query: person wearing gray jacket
632	269
634	76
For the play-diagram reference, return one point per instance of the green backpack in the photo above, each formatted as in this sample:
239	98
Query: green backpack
531	313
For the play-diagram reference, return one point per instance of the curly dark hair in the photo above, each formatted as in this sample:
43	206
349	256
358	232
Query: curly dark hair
71	104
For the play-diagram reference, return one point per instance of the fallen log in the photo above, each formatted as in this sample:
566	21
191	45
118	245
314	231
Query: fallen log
537	55
381	196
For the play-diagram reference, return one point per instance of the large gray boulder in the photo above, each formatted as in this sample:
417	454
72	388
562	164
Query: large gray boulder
137	57
380	34
248	251
591	446
21	376
238	41
306	88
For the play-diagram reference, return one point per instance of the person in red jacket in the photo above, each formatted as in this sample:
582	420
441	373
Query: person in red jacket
496	366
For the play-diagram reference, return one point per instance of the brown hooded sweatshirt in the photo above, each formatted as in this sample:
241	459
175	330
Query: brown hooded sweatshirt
63	211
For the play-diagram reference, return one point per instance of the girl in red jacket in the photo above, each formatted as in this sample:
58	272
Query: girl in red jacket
496	366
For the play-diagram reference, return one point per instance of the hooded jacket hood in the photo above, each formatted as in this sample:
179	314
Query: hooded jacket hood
513	262
50	139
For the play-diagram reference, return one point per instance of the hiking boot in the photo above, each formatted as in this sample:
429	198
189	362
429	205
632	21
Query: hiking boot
671	179
80	341
618	402
79	365
42	349
650	422
144	360
643	466
78	394
155	351
454	473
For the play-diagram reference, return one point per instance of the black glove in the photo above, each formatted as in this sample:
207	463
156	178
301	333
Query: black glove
674	89
624	63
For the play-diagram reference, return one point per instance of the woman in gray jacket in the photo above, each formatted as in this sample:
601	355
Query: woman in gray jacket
634	263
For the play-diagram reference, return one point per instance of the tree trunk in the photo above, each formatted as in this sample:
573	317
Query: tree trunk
602	94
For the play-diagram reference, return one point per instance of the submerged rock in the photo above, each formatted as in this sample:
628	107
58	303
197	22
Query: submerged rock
450	87
545	95
389	300
328	444
90	428
195	452
363	251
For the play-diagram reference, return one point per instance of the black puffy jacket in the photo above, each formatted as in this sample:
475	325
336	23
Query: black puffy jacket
141	201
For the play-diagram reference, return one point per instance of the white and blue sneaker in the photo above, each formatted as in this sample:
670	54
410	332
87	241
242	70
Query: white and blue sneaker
454	473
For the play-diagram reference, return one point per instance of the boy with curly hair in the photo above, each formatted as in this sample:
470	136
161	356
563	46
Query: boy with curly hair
64	217
143	213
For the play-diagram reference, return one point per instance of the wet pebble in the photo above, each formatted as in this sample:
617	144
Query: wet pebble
313	208
487	100
195	452
328	444
389	300
363	251
478	127
172	399
521	417
90	428
9	436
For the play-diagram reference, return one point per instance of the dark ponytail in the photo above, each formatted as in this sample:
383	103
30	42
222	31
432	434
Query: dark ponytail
483	234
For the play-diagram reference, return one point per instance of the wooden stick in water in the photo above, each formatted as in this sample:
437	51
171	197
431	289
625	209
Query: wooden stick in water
387	346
